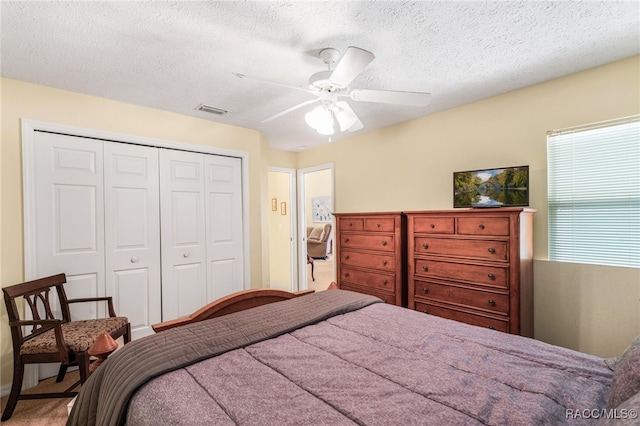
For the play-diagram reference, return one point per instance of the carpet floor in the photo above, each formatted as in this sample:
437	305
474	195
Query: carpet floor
43	412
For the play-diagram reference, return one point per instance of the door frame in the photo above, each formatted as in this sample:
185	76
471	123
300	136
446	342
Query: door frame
302	219
28	130
293	214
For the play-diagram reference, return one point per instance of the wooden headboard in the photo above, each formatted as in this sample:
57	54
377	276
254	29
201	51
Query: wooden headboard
234	302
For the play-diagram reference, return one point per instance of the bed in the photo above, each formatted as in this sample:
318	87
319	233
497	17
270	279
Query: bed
343	358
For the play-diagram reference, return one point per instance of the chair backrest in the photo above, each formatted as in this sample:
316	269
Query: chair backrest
37	296
327	232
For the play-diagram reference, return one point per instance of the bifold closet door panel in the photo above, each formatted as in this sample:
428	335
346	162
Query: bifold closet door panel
225	268
132	234
68	203
183	233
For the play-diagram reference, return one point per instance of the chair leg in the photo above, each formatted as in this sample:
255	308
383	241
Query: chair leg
127	335
83	366
61	372
16	386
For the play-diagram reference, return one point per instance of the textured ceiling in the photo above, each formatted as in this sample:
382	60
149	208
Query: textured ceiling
176	55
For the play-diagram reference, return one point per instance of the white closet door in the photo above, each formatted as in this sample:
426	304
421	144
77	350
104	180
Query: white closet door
68	214
224	226
132	234
182	223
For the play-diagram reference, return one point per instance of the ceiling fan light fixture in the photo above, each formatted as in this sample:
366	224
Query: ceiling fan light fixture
321	120
345	116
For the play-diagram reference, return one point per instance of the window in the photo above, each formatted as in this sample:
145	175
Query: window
594	193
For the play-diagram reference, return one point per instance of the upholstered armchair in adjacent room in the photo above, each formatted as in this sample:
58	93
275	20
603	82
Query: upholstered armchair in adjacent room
319	241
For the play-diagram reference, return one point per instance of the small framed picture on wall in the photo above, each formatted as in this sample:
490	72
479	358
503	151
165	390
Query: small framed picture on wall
321	207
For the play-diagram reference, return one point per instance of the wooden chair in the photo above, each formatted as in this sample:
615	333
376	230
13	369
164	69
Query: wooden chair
53	339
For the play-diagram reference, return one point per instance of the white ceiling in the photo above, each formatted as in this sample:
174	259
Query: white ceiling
174	56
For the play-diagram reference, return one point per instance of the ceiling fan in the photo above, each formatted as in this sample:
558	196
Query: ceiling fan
333	84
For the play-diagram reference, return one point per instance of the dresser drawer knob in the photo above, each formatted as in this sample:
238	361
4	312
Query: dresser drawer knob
425	268
134	260
491	302
350	224
378	225
384	262
384	282
346	257
491	250
432	226
346	240
425	246
346	274
491	327
481	226
424	311
425	290
384	243
492	277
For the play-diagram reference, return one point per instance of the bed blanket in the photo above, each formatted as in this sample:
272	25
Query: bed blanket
380	365
104	398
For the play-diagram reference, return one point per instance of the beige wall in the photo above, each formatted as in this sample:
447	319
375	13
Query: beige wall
410	166
23	100
279	232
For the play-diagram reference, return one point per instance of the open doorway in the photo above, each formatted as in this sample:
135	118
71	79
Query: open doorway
316	225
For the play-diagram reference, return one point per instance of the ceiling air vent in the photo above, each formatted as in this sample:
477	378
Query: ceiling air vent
211	109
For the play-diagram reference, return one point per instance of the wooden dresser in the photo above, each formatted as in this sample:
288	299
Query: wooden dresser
370	254
474	266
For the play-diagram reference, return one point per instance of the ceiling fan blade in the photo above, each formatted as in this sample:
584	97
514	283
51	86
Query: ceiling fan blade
352	63
287	111
347	118
391	97
275	83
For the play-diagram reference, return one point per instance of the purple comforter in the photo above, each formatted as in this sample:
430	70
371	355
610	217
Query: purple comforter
379	365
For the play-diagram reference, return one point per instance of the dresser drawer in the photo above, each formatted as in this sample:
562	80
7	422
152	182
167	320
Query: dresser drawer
369	242
351	224
483	225
480	249
389	298
386	262
377	280
433	225
466	317
466	297
382	224
493	276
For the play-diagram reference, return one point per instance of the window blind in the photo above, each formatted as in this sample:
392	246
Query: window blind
594	193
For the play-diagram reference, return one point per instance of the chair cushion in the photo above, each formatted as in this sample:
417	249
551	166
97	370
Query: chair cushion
78	335
316	233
